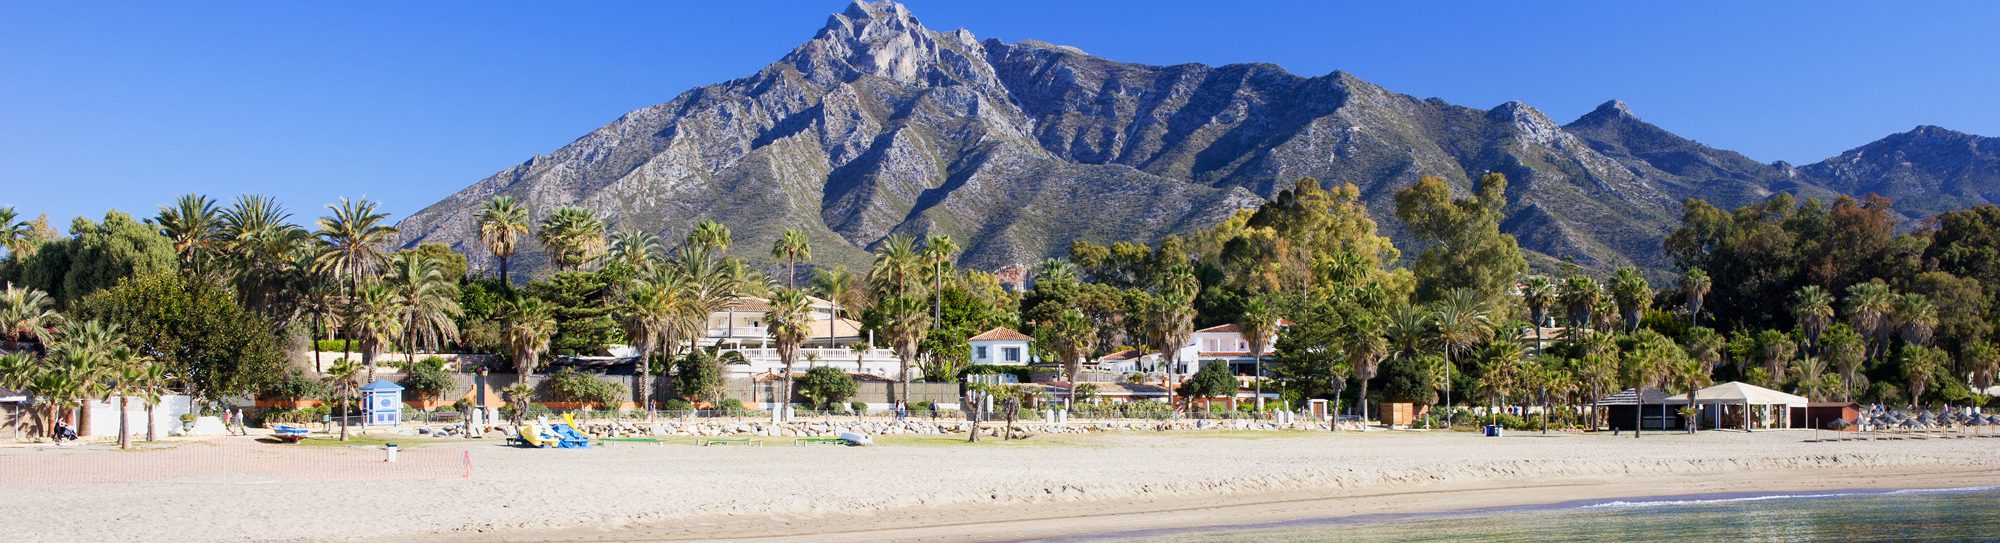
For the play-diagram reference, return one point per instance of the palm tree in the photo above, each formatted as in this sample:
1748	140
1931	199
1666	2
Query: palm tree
428	300
25	311
573	237
792	246
1846	351
1704	346
1813	308
1539	293
1072	336
152	385
320	302
709	235
19	371
1982	359
1918	317
904	321
502	222
194	224
789	321
1691	375
635	249
83	365
1597	371
374	315
527	324
1652	357
1919	364
649	313
896	265
518	395
1579	298
1173	317
1870	307
1461	321
1365	348
1259	323
341	376
1632	293
266	251
938	252
1778	352
352	241
1695	284
1809	377
1500	373
13	233
130	371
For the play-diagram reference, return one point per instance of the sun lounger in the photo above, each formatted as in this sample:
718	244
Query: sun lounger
819	441
729	441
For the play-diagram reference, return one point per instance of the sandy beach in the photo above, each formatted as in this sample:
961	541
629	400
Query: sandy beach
905	489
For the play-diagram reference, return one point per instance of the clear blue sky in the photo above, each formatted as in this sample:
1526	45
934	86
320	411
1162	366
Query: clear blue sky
126	105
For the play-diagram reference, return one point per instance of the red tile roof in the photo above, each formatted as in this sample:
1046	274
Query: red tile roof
1001	334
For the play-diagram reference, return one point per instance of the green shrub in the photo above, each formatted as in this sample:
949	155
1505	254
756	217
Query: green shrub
676	404
302	415
295	386
340	345
428	378
570	385
1021	373
859	407
534	410
730	404
825	385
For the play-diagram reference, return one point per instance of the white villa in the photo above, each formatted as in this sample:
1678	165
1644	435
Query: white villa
741	328
1002	346
1222	344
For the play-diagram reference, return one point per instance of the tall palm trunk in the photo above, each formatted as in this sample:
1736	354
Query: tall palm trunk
152	433
1638	410
1363	400
124	423
646	376
346	399
506	281
83	418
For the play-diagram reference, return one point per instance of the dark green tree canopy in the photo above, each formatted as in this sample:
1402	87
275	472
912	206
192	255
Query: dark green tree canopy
210	344
1463	245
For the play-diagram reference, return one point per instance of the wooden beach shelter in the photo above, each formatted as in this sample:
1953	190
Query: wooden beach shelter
382	403
1753	406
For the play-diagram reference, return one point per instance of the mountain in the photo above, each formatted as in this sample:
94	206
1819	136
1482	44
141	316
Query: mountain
1926	171
879	126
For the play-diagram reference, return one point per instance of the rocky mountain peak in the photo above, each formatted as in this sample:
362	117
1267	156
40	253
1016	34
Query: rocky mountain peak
873	38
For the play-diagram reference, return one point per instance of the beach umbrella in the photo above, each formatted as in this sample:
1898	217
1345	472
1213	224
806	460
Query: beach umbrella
1839	424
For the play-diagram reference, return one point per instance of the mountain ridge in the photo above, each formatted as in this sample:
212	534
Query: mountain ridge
878	126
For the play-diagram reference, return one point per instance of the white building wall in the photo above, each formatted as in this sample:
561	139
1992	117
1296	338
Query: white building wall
104	415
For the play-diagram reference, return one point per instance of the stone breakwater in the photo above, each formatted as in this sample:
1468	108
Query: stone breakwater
833	428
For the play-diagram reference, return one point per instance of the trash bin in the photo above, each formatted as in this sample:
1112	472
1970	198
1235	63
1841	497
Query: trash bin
1492	430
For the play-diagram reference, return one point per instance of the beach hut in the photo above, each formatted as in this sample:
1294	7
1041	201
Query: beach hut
1822	414
1753	406
382	403
1659	410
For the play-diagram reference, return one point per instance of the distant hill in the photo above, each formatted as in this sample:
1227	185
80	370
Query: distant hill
878	126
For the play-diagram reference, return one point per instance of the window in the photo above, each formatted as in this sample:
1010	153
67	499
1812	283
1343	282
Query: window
1011	354
979	352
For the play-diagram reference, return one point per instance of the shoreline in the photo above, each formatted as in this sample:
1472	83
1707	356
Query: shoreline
1089	522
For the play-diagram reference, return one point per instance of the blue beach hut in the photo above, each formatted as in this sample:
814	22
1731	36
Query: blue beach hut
382	403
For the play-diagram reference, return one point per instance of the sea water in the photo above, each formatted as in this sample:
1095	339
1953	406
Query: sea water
1962	514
